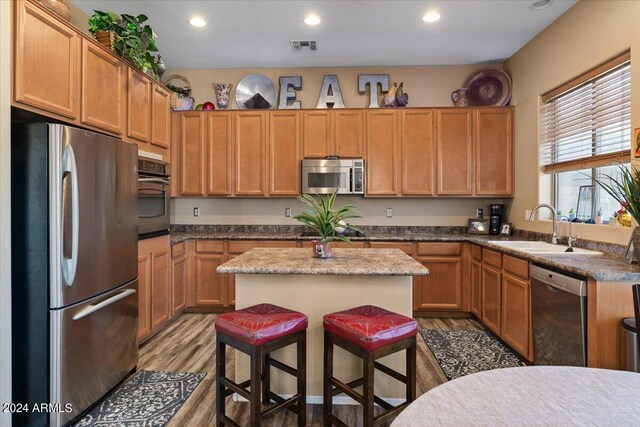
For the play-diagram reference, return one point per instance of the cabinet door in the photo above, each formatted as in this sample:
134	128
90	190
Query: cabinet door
494	152
160	289
454	140
284	153
417	153
317	140
144	294
47	59
515	313
179	280
219	150
250	153
160	117
230	296
381	160
442	288
210	285
102	103
139	106
476	289
348	133
192	135
491	298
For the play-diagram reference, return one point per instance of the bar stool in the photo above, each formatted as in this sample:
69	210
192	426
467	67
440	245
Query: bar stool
258	331
370	333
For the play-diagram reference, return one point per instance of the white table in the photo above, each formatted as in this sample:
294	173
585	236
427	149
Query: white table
530	396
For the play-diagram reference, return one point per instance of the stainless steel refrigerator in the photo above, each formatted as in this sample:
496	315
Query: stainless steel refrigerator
74	268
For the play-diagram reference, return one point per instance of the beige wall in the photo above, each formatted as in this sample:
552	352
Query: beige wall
426	86
5	210
588	34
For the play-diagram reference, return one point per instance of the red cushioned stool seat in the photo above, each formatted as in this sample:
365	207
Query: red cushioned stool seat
262	323
370	327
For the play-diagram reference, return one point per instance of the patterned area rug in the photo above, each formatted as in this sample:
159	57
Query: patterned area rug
461	353
148	399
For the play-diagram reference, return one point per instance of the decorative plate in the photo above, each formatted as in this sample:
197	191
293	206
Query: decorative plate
488	87
255	91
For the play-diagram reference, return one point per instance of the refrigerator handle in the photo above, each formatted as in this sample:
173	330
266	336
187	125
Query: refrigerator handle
93	308
69	265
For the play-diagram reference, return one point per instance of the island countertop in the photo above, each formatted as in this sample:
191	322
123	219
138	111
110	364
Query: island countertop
371	262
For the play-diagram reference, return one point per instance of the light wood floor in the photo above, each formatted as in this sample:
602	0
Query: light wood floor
188	346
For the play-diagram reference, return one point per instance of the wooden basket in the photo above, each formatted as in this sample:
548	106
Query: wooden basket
178	101
106	39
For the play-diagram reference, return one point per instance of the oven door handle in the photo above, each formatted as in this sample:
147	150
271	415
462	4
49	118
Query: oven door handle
156	180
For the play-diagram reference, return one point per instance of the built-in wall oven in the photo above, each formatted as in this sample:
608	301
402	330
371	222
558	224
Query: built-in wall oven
153	198
324	176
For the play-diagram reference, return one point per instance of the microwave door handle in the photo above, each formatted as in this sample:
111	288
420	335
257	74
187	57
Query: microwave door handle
156	180
70	170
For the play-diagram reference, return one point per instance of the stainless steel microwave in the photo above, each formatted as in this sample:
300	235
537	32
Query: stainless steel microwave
324	176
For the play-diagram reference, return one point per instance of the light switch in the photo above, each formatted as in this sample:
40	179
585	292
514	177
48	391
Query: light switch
196	211
287	212
389	212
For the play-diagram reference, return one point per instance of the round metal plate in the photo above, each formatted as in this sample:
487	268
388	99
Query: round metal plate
252	85
488	86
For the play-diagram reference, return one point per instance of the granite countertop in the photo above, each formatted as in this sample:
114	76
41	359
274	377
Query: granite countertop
604	267
367	262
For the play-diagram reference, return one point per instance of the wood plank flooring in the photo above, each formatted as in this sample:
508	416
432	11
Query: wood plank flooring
188	346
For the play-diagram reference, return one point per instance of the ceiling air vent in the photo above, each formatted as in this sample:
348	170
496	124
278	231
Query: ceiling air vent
302	45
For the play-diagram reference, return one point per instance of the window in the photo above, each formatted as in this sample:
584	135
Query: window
586	131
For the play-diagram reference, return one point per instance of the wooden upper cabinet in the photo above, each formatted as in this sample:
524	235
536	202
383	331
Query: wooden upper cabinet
139	106
102	99
494	152
219	144
382	153
191	153
160	118
284	153
46	62
317	134
250	135
349	133
454	142
417	152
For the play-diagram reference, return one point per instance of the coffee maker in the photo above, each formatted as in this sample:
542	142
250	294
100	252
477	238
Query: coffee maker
495	218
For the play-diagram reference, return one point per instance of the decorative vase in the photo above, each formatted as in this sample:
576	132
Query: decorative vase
161	65
459	97
106	39
321	249
222	94
597	219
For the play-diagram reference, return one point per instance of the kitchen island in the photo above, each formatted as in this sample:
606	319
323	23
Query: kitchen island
292	278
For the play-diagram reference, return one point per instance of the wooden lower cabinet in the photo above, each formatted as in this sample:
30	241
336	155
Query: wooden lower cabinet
209	285
475	305
442	288
491	298
179	280
516	316
154	284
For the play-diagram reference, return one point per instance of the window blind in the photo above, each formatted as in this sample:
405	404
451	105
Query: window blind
588	125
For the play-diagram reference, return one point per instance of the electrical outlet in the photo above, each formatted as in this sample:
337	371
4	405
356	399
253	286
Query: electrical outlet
389	212
287	212
196	211
527	214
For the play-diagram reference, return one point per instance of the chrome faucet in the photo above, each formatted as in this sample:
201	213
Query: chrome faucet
555	237
571	237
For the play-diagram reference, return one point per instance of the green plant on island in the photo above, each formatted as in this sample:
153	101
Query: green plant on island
324	218
133	40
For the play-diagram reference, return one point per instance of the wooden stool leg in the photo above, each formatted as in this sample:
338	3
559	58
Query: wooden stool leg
327	400
266	380
368	369
302	379
256	379
411	371
220	374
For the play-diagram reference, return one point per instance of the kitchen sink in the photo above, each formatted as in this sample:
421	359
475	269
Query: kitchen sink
541	248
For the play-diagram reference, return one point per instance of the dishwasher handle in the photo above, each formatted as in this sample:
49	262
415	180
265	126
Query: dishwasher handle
558	281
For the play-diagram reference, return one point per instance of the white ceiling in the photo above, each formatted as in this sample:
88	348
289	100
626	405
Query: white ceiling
352	33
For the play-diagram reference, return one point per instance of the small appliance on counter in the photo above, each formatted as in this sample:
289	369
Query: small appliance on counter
324	176
495	218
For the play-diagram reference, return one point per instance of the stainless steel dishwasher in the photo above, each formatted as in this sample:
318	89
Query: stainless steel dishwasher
559	316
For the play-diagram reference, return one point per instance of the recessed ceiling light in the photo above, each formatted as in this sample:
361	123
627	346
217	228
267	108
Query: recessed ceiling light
196	21
312	20
540	4
431	16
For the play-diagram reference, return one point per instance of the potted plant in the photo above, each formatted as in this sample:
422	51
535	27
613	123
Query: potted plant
598	217
324	219
625	189
102	26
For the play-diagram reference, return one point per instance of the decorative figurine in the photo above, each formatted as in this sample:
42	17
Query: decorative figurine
402	99
161	66
373	80
287	97
390	98
330	96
